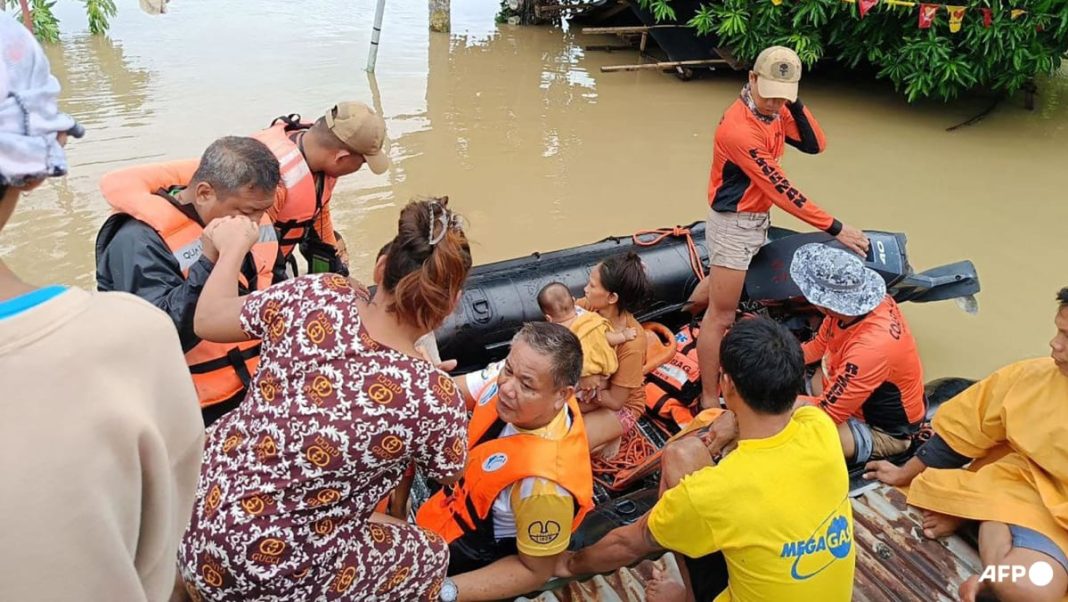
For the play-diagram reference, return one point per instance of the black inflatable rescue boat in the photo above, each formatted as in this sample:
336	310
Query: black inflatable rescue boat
499	297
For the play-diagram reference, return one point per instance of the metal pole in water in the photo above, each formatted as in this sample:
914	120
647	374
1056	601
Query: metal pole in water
372	54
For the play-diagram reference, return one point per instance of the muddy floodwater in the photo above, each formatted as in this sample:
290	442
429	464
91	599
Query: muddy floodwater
541	151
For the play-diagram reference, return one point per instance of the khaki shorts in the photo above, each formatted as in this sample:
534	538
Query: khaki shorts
733	239
873	444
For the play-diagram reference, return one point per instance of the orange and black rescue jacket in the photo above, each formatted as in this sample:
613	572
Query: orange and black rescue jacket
746	175
221	371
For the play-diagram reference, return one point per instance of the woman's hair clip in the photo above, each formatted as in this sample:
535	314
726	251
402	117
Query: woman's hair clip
442	220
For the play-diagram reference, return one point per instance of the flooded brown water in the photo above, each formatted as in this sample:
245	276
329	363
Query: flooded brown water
541	151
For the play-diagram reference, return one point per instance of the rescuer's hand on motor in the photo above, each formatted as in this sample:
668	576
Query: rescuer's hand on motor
854	240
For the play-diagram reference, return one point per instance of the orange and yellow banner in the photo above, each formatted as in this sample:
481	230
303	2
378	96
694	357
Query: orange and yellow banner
956	16
928	12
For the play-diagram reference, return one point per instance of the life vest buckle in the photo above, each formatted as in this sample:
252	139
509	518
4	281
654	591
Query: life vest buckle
292	121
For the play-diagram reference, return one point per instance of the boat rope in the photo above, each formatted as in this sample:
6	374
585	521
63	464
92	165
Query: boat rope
679	232
633	450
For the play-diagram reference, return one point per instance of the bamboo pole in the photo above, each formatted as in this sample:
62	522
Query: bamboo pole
27	20
628	29
606	48
663	65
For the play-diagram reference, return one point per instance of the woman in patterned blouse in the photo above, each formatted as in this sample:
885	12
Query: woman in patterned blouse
340	405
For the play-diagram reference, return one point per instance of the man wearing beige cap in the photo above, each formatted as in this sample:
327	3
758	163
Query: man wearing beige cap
745	182
312	158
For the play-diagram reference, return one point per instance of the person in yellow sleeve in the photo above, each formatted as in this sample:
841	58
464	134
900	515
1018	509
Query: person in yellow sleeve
777	506
528	482
1011	427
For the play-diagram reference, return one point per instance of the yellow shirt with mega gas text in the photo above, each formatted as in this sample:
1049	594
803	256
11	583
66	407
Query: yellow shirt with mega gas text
537	512
778	508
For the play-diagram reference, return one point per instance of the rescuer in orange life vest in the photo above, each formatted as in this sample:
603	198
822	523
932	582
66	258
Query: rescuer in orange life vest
312	156
528	482
153	246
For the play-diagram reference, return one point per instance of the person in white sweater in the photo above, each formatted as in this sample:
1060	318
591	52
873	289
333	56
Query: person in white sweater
100	436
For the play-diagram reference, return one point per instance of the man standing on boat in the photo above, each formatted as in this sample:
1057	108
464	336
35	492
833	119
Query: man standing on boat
746	180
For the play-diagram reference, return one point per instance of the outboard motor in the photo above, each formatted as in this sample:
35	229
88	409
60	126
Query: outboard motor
768	281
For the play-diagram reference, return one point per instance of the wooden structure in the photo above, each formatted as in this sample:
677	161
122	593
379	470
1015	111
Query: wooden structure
682	68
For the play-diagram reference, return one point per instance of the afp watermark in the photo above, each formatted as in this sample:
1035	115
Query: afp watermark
1040	573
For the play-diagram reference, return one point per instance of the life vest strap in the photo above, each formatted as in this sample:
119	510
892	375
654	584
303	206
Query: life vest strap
493	432
232	400
286	230
292	122
240	367
659	405
472	513
235	358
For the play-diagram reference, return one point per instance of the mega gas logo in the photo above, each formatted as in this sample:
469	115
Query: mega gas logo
832	541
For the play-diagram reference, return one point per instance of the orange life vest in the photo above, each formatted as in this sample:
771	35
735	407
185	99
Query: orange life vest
672	389
304	196
660	346
495	463
221	371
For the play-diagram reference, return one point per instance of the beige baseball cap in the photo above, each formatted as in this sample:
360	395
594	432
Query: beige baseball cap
362	130
154	7
778	70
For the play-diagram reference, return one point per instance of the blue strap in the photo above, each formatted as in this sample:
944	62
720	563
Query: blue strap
30	300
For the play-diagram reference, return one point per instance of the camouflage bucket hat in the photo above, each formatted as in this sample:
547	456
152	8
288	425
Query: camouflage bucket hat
836	280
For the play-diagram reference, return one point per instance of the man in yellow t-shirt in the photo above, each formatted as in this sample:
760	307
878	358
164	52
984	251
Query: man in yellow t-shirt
777	507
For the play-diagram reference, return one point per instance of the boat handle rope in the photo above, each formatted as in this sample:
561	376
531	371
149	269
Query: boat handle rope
679	232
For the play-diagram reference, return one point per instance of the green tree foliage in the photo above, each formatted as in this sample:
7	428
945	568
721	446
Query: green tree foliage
46	25
920	63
